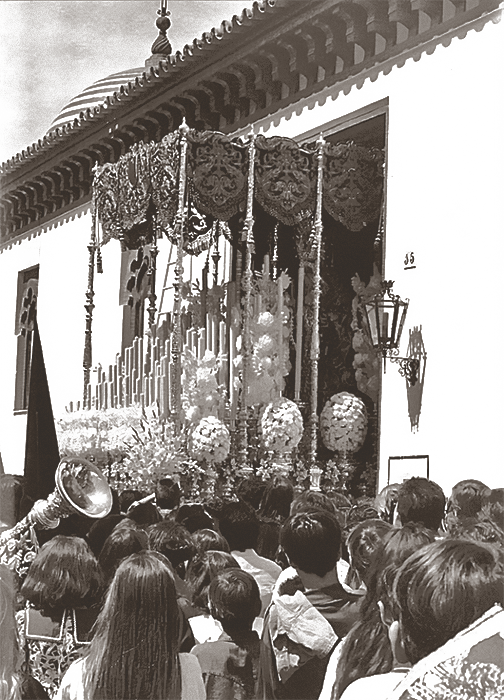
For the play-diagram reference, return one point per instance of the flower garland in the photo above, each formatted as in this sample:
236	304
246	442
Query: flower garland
343	423
209	441
281	426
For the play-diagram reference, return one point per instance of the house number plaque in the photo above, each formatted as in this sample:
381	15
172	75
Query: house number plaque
409	261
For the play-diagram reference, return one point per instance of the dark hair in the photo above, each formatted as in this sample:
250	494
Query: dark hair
134	651
100	530
480	529
251	489
234	600
128	497
386	502
194	517
202	569
366	650
125	539
467	498
313	500
240	526
209	539
312	541
64	574
173	540
441	589
145	514
421	501
494	508
168	494
277	499
362	544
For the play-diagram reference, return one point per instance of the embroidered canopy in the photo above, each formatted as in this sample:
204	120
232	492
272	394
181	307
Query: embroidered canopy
144	185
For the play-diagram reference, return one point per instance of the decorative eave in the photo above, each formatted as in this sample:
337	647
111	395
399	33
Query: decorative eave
278	53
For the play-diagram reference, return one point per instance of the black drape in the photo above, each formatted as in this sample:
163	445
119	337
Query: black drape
41	453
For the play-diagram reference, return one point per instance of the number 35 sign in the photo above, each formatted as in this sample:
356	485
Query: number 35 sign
409	261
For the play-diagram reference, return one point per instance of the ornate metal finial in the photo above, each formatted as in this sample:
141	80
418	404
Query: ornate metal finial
162	46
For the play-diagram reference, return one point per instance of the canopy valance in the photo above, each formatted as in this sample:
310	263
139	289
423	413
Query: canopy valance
146	182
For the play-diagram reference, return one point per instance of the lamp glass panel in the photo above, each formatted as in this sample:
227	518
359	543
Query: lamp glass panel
404	309
373	321
387	317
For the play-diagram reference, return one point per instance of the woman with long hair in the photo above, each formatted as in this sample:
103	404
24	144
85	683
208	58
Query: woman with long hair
14	683
63	591
366	651
134	654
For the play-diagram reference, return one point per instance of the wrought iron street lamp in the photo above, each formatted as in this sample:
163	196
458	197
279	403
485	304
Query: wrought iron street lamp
385	315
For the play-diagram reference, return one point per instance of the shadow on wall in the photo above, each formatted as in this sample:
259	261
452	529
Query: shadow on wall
416	350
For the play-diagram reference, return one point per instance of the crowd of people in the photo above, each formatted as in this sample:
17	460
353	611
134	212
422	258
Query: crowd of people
278	594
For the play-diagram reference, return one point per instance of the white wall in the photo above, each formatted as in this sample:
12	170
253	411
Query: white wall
444	202
60	251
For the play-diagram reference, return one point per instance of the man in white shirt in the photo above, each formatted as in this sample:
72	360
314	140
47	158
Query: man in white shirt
239	524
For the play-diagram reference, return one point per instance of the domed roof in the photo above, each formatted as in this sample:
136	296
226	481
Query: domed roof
94	95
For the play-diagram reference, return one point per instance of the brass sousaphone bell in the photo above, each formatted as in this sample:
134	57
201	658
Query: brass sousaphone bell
80	488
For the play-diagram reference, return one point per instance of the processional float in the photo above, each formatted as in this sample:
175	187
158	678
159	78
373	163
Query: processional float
193	187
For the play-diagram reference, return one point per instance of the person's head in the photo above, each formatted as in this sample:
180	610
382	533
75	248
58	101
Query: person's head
421	501
367	648
134	650
386	502
440	590
251	489
145	514
494	508
480	529
9	645
207	539
202	569
313	500
234	600
277	499
100	530
125	539
127	498
312	542
194	517
362	544
174	541
64	574
240	526
168	494
467	499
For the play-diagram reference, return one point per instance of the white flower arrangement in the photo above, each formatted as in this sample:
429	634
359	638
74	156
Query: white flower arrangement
201	394
281	426
269	333
343	423
98	434
210	441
